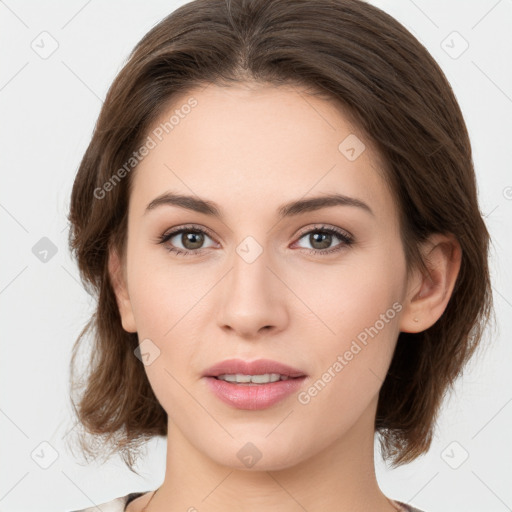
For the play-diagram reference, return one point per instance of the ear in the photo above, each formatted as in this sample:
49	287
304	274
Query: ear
118	281
428	296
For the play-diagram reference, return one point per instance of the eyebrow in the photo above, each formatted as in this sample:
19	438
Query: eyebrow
290	209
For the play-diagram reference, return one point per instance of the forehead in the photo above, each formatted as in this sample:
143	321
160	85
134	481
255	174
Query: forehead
245	142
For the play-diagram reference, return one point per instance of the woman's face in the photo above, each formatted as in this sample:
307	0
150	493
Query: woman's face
251	286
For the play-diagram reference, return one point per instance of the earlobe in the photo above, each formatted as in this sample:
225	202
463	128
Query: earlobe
120	288
428	295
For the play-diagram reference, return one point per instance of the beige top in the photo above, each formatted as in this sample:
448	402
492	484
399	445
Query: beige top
120	504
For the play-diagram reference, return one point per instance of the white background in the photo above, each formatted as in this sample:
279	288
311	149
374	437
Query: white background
48	110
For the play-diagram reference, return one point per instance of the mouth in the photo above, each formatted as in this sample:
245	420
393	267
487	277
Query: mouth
260	371
253	385
252	395
254	380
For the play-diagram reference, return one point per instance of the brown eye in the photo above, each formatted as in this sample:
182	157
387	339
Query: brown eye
321	240
191	241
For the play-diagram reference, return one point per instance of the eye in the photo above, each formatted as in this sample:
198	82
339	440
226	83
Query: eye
321	238
190	237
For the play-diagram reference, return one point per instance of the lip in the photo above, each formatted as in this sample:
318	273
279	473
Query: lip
253	396
258	367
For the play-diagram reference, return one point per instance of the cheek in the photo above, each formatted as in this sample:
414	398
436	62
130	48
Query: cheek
359	310
349	297
167	300
164	305
162	292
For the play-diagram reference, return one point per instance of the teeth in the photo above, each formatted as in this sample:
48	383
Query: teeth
255	379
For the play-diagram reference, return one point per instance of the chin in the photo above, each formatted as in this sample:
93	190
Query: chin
257	453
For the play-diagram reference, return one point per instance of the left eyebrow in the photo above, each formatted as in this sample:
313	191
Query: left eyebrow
319	202
290	209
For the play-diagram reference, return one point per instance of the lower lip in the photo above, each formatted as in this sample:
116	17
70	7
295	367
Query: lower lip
253	396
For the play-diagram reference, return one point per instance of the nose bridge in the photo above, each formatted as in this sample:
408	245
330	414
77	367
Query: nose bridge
251	300
250	275
250	262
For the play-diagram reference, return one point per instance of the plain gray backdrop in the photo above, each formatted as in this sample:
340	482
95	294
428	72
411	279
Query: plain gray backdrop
58	60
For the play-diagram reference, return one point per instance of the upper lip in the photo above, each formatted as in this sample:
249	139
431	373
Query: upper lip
258	367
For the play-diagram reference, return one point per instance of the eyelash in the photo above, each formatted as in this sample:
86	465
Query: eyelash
347	240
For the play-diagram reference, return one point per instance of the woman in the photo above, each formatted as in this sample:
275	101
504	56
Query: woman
278	214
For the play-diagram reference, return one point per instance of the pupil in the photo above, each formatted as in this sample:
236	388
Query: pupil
325	243
195	239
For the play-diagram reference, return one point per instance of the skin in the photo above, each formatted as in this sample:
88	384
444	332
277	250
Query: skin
241	144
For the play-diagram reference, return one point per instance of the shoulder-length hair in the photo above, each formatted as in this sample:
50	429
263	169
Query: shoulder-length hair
360	57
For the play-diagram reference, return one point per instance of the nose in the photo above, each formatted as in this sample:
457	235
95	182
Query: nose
252	299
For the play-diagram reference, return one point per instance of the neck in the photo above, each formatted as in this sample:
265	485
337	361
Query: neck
339	478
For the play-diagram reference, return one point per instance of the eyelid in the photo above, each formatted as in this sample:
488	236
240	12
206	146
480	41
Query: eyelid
346	238
321	226
188	227
191	227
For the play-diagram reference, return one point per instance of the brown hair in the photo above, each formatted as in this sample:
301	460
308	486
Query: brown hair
357	55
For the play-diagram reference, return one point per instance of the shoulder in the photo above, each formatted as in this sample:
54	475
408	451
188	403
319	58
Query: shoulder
115	505
119	504
405	507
